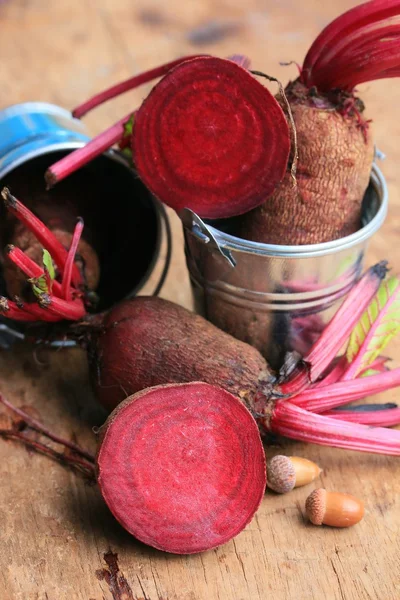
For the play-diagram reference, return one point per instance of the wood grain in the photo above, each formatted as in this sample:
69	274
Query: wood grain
55	530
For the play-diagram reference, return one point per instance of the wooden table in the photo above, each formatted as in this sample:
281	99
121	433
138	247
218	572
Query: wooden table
55	529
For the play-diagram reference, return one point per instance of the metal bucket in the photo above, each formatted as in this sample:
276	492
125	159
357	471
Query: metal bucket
276	298
134	224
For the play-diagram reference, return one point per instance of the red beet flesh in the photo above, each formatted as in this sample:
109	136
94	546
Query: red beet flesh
182	467
210	137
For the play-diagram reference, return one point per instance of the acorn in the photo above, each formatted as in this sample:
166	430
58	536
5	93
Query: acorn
333	508
287	472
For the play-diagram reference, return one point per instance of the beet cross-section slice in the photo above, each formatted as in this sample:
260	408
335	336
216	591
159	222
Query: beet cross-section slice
212	138
182	467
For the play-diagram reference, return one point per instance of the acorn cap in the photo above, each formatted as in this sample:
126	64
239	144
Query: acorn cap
316	506
281	474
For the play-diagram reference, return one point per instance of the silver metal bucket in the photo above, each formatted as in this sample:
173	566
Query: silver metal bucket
34	135
276	298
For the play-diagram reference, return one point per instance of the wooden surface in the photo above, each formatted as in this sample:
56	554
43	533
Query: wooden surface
55	531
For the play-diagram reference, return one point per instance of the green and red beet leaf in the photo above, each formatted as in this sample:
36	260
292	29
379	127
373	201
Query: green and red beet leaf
377	326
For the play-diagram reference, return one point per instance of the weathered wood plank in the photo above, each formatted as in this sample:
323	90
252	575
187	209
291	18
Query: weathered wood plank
55	528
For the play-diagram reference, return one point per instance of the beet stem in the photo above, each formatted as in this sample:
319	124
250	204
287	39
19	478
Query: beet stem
38	426
28	266
387	417
11	310
41	232
337	331
77	159
299	424
66	282
72	310
128	84
320	399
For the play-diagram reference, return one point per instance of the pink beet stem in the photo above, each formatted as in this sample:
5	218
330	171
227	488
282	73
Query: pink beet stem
66	281
333	375
379	418
34	424
28	266
299	424
337	331
77	159
128	84
319	399
41	232
341	28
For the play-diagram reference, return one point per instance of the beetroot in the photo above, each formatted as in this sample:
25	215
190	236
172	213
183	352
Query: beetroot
182	467
209	137
148	341
335	145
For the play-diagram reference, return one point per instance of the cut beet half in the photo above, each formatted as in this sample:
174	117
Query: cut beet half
182	466
212	138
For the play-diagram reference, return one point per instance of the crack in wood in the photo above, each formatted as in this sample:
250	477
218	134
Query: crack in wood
115	579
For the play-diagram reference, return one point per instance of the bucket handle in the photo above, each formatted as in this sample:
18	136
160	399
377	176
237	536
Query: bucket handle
196	226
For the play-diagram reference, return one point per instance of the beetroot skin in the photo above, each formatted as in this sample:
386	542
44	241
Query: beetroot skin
149	341
182	467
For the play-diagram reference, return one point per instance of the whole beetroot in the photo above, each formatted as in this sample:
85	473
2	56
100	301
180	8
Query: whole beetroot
148	341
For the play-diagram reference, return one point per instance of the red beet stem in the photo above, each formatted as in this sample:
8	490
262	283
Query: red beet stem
379	418
66	281
77	159
72	310
365	65
299	424
320	399
337	331
334	374
128	84
320	57
41	232
11	310
38	426
29	267
40	313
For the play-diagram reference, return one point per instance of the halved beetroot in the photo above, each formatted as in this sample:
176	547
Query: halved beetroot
182	467
211	137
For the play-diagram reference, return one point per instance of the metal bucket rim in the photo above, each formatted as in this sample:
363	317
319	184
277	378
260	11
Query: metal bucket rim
15	110
311	250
